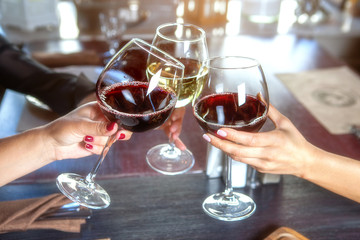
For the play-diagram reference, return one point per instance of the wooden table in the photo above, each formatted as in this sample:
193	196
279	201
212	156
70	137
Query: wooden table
147	205
169	207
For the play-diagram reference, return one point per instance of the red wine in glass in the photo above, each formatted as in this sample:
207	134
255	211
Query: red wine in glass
221	110
128	93
235	96
133	109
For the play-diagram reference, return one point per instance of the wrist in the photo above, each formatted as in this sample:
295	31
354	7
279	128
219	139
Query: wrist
310	162
47	144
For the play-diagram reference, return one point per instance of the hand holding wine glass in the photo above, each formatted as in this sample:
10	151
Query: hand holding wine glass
128	93
173	127
235	96
187	43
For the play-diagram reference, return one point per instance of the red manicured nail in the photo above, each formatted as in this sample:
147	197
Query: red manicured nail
89	146
122	136
110	126
88	139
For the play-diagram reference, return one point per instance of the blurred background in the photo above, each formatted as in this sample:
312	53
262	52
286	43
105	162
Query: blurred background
68	25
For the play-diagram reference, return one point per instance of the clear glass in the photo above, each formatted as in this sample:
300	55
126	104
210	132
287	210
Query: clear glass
112	25
235	96
310	12
187	43
128	93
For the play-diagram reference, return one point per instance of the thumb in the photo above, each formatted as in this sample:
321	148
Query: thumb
274	115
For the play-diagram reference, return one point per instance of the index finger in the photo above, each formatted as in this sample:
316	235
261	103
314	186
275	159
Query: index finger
250	139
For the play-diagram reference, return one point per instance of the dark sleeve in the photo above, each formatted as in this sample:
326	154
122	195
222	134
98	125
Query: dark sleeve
60	91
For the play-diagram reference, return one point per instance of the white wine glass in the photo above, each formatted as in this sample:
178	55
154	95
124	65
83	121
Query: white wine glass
128	93
235	96
187	43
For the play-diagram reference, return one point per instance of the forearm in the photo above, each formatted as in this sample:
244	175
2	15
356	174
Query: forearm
60	91
336	173
22	154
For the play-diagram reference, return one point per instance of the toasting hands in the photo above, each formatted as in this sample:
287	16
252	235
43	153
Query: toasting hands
80	133
284	150
172	127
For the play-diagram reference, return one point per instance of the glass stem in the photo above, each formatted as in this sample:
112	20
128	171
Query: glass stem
90	177
228	182
172	146
113	46
171	143
253	181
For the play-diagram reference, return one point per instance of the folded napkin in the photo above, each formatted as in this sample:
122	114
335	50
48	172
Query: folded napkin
22	215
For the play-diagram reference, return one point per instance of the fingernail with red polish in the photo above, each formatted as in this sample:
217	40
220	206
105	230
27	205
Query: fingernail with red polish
110	126
88	139
89	146
122	136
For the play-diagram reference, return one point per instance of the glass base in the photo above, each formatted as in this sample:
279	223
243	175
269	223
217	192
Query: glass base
78	189
225	208
169	161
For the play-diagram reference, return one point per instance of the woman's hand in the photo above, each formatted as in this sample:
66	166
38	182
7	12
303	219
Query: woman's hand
283	150
172	127
82	132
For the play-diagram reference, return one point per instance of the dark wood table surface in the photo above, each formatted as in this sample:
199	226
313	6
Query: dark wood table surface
147	205
169	207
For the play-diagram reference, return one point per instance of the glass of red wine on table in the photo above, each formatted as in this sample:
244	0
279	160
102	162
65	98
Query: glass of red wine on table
235	96
187	43
128	93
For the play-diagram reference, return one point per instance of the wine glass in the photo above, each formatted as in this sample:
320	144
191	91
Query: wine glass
187	43
235	96
112	25
128	93
310	12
